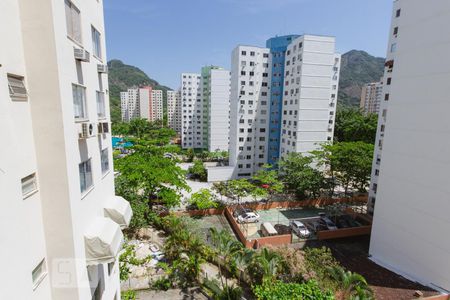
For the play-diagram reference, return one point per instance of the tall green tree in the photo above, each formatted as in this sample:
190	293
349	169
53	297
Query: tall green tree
146	177
352	125
204	199
198	170
300	176
353	285
350	163
268	180
240	188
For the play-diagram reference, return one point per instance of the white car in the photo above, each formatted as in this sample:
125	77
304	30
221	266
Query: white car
250	217
300	229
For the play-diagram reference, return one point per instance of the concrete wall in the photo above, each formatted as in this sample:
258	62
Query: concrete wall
411	220
219	173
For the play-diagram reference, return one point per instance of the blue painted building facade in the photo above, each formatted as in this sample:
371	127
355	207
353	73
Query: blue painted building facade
277	46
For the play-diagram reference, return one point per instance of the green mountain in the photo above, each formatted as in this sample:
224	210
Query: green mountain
357	68
122	77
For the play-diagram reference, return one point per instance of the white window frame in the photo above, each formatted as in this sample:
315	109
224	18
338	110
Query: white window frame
17	88
81	112
103	162
101	108
73	21
32	181
41	271
87	179
96	43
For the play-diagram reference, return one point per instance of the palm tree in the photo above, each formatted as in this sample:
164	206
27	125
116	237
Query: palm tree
354	285
265	265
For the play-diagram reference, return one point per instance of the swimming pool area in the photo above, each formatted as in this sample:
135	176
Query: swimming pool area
118	142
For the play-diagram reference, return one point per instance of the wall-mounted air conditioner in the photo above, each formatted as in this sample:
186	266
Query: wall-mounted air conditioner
102	68
86	130
81	54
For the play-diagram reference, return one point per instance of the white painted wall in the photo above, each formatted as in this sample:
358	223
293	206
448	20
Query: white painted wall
411	222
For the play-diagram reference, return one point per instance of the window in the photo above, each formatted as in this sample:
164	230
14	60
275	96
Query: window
394	47
252	53
29	184
395	31
388	81
39	273
397	13
96	43
104	160
265	55
244	53
386	97
85	175
17	89
101	105
79	101
73	22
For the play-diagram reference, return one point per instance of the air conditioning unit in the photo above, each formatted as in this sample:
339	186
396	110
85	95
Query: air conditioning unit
86	130
81	54
102	68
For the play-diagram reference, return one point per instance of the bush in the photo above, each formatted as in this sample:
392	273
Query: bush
279	290
128	295
198	171
318	261
203	199
162	284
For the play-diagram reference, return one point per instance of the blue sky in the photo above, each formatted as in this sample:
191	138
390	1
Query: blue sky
167	37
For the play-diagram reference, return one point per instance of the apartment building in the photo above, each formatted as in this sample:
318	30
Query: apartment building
174	110
191	111
156	101
371	97
310	92
249	109
144	102
283	99
130	105
216	108
411	223
61	222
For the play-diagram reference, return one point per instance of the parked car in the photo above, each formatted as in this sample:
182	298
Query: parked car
342	223
349	221
250	217
241	210
300	229
328	223
319	225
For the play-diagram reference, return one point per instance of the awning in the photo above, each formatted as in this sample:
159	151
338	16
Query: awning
103	241
119	210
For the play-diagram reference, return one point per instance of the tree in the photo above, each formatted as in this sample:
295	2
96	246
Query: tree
349	162
239	188
198	171
138	127
146	177
265	265
268	180
203	199
353	285
300	177
352	126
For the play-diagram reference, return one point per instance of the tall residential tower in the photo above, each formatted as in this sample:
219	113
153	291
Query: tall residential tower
411	220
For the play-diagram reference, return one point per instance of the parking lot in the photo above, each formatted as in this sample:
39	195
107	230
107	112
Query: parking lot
280	219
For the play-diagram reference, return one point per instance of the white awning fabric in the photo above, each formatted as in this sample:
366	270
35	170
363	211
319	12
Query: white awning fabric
103	241
119	210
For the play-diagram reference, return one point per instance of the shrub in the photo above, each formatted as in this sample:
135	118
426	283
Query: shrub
198	171
279	290
318	261
203	199
162	284
128	295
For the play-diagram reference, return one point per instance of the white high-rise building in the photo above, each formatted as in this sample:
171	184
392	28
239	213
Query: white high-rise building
371	97
156	101
411	222
216	108
144	102
249	116
174	110
308	108
61	223
130	105
310	92
192	111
